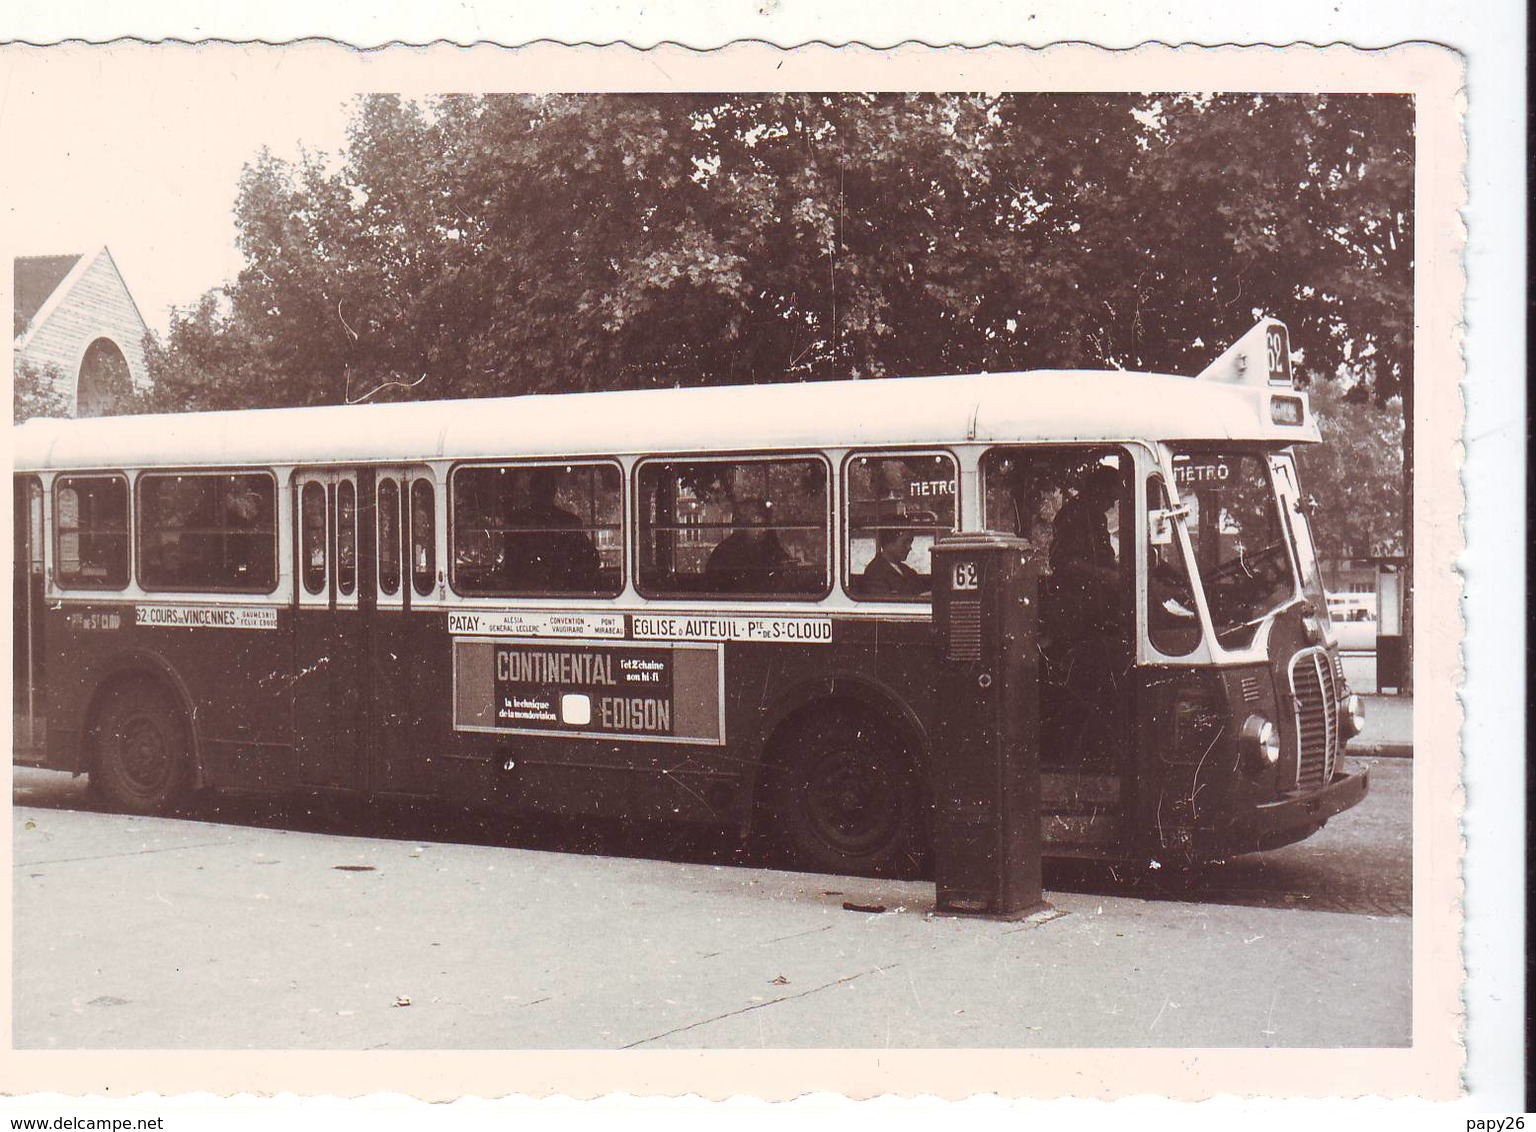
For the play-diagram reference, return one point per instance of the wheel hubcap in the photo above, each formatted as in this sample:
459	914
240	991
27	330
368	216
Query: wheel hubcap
852	802
145	756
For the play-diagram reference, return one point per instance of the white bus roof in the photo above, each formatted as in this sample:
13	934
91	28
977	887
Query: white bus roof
1053	405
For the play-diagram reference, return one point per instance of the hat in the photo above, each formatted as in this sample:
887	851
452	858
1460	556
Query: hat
1099	478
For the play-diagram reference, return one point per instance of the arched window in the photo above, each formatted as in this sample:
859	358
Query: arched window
104	385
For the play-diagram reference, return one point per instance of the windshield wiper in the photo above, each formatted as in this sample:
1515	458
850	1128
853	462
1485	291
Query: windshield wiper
1274	611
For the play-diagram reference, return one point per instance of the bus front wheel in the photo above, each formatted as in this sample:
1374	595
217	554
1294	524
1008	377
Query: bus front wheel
848	799
141	751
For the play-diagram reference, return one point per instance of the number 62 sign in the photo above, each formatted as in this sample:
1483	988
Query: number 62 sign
966	577
1277	347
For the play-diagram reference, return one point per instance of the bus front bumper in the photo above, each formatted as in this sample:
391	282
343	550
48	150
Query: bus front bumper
1273	824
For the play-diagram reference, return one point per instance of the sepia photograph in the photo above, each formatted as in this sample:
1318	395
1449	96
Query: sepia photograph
505	561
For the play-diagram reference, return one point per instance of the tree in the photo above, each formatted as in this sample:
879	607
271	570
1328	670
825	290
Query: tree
39	391
1355	475
502	244
211	360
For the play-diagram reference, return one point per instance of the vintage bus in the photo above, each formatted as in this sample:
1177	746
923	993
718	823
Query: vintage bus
701	606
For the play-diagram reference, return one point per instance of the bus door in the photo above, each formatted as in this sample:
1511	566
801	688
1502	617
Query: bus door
400	667
328	636
30	712
1074	506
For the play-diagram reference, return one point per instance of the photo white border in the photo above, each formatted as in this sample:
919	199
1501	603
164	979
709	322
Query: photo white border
861	69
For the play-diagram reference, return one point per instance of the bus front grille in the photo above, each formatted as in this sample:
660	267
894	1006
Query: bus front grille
1317	718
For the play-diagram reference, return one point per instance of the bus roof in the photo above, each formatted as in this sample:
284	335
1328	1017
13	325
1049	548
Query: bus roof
1048	405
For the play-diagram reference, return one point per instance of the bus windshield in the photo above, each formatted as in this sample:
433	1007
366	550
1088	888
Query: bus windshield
1241	543
1295	510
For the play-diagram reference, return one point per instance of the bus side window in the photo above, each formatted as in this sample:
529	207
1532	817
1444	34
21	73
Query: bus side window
423	537
312	522
897	506
739	527
389	536
92	532
200	531
538	529
346	537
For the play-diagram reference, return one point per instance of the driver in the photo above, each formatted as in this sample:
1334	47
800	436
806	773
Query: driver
1087	623
1085	569
1082	553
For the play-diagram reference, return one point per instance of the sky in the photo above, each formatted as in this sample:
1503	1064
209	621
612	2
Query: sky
151	171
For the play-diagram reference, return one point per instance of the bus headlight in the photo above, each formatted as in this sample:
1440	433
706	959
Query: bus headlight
1261	741
1354	715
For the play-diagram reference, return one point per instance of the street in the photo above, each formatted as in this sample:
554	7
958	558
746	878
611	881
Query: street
261	923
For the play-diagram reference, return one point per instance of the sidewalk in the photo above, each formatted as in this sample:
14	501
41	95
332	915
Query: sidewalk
147	933
1388	728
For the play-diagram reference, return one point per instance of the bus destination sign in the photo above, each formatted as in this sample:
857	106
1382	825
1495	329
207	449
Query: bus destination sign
693	627
1189	474
207	616
535	623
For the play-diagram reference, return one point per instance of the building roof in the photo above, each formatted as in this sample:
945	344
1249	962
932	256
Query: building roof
37	277
1058	406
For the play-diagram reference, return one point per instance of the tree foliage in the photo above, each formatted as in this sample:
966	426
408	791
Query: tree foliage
38	391
466	246
1356	475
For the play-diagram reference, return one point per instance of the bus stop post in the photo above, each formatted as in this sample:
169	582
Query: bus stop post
986	757
1390	653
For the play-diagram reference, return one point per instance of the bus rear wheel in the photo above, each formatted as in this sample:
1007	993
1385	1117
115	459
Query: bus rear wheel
847	800
141	751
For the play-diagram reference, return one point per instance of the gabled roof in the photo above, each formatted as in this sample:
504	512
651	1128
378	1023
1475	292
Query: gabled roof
37	277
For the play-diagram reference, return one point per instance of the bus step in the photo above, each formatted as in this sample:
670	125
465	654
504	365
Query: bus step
1078	792
1080	829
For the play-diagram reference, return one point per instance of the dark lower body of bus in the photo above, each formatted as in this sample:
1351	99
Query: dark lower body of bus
820	743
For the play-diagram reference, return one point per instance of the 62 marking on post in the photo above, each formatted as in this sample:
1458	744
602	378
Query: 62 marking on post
966	577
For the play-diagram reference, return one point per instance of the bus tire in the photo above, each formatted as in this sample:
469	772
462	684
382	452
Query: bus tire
141	764
847	799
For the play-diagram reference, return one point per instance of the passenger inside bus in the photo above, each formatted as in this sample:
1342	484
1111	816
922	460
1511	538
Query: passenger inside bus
888	572
165	561
897	505
547	548
751	559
